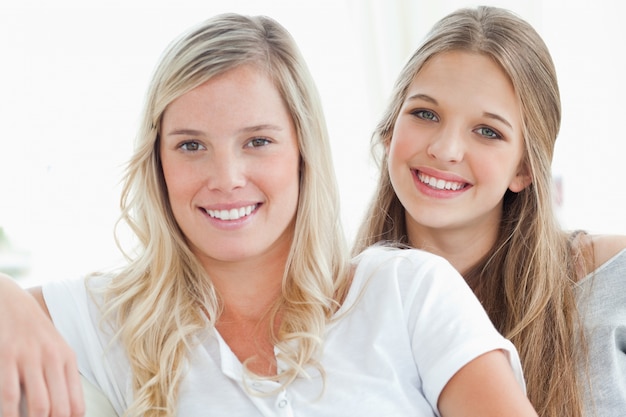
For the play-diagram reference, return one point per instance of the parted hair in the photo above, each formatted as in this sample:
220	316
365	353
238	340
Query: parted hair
525	282
163	301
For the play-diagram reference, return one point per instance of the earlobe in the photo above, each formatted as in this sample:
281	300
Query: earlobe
520	182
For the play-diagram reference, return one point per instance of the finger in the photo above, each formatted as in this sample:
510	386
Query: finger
10	391
75	389
36	391
57	389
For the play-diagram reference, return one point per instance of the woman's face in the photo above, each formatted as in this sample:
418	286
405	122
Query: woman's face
230	159
457	145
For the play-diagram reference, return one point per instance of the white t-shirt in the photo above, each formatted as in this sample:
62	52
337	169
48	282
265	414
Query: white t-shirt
408	324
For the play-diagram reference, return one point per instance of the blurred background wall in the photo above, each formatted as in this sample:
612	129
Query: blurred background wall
73	75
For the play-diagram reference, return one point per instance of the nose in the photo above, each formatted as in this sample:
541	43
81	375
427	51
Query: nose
447	146
226	171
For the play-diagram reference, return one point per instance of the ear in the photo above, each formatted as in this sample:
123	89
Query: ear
387	144
521	180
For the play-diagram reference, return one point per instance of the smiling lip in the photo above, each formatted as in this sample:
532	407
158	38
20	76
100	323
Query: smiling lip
438	185
232	214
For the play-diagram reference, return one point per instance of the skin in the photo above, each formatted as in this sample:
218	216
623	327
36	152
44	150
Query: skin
215	158
49	372
249	157
460	127
231	144
604	247
227	144
485	387
461	123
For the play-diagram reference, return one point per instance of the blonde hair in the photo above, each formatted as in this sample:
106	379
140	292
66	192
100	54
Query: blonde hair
525	281
163	301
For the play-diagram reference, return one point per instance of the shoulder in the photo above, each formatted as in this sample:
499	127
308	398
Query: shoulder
381	253
605	247
596	250
76	287
62	289
73	300
408	273
400	262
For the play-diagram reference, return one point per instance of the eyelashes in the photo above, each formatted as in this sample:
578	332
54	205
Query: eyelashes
425	115
431	116
488	132
191	146
258	142
194	145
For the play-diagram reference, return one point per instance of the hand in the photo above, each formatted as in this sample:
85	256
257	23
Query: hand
35	361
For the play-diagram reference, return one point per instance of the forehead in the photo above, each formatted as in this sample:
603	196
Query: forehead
241	94
467	81
476	69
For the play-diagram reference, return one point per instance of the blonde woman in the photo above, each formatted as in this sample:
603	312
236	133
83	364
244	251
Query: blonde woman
467	140
241	299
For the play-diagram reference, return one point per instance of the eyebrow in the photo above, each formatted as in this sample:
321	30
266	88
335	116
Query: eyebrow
424	97
430	99
247	129
498	117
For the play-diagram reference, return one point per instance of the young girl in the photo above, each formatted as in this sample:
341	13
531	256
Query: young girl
468	139
240	299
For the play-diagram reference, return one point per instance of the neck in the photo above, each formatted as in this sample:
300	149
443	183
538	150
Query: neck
249	291
462	247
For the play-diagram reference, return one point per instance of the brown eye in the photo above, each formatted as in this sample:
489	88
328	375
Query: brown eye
258	142
191	146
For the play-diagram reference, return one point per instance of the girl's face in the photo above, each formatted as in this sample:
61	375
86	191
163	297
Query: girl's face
230	159
457	145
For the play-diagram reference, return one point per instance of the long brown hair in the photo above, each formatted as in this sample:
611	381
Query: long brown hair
525	281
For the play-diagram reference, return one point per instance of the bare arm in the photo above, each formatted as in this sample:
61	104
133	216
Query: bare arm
485	387
605	247
34	358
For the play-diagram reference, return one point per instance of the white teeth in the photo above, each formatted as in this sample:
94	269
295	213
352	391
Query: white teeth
440	184
232	214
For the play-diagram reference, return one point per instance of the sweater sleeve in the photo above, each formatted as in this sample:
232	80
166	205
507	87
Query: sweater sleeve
602	306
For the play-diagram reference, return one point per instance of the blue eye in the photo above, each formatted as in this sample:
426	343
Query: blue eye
426	115
488	133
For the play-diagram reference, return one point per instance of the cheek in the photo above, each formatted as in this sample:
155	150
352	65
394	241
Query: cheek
401	146
287	179
277	177
499	169
179	182
291	187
